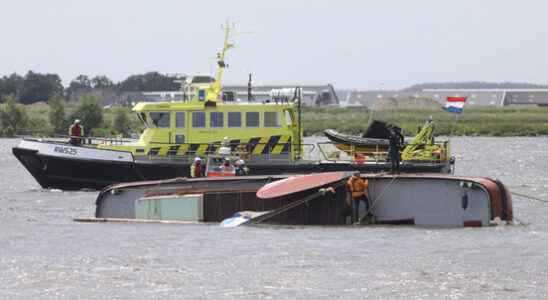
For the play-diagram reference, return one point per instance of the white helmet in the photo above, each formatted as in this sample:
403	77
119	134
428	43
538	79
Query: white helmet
197	159
240	162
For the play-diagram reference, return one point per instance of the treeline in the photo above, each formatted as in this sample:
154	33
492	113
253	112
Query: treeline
54	118
34	87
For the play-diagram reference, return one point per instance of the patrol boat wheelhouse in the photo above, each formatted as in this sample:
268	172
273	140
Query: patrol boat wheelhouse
268	135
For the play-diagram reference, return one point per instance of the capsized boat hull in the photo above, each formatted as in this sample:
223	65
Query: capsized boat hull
411	199
438	200
63	166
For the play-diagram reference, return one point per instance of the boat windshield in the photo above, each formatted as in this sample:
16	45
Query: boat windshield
143	118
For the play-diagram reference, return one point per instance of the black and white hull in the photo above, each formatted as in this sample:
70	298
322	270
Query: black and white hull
63	166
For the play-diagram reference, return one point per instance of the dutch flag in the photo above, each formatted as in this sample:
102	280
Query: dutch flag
455	104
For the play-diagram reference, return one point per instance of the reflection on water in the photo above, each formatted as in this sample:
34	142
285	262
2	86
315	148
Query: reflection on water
44	254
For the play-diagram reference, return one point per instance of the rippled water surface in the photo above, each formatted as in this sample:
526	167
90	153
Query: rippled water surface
44	254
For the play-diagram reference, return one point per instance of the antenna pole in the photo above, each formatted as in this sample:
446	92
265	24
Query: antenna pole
249	94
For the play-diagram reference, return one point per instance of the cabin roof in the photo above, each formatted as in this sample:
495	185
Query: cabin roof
192	105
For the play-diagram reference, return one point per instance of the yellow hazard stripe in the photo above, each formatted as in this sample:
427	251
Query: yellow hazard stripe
183	149
280	145
260	146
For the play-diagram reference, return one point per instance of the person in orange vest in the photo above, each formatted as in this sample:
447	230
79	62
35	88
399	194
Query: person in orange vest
76	132
196	168
357	187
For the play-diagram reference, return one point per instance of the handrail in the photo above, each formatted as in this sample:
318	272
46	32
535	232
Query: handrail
377	155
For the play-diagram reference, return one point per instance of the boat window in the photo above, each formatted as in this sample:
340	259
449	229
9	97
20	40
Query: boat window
288	120
180	120
198	119
160	119
216	119
252	119
271	119
143	118
234	119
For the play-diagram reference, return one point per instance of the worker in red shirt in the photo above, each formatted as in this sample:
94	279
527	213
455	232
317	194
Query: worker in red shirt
76	132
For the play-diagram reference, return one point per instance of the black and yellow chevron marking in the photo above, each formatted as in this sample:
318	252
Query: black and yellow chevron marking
276	144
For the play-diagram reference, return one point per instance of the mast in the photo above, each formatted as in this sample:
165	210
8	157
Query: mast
221	65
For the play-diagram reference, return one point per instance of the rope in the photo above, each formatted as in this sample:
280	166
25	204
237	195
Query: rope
529	197
374	202
292	205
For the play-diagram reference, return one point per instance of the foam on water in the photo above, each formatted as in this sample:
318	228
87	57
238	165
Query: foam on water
43	254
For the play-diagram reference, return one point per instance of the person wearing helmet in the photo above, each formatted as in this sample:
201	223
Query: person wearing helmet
76	132
241	169
227	166
196	168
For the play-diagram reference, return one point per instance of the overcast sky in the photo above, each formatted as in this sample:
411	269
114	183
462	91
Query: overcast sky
352	44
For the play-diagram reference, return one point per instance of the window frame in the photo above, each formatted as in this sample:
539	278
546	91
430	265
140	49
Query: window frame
177	114
213	119
276	119
153	123
239	114
202	113
258	119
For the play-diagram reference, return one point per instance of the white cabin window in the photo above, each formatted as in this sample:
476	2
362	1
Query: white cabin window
271	119
216	119
160	119
252	119
198	119
288	120
234	119
180	120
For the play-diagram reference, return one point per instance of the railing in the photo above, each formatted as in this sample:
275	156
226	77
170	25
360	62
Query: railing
86	140
322	151
377	154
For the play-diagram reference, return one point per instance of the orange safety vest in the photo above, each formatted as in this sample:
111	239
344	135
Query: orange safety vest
357	186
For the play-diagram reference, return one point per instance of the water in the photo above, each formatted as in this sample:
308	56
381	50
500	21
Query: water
44	254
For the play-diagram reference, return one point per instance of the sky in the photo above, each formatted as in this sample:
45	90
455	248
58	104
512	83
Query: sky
351	44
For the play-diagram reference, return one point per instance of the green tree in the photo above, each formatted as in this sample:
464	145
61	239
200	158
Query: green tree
82	84
121	122
101	82
11	85
57	115
13	117
40	87
90	112
151	81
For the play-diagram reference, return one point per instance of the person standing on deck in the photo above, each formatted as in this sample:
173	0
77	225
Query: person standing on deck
357	188
76	132
196	168
394	151
241	169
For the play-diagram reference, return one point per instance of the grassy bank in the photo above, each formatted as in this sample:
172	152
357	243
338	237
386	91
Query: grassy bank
511	121
485	121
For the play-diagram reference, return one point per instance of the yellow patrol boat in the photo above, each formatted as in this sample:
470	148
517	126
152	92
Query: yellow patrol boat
266	134
208	115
